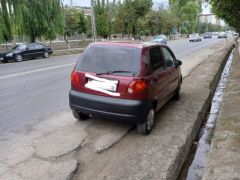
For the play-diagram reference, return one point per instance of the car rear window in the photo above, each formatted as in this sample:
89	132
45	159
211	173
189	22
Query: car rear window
124	61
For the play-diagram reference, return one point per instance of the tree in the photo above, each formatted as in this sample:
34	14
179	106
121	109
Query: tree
43	17
71	21
82	24
186	12
161	21
31	17
228	11
104	13
130	14
5	26
190	13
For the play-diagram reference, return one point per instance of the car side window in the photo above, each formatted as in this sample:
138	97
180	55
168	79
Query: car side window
169	57
156	58
22	47
38	46
31	47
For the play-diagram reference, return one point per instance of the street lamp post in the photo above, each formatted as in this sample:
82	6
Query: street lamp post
93	21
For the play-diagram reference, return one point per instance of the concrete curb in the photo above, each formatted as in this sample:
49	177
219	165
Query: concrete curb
183	153
224	159
67	51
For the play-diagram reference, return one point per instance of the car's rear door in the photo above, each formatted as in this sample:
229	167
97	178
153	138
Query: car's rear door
158	76
173	71
39	50
28	51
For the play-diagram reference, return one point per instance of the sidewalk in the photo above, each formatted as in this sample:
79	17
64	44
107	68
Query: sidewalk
224	157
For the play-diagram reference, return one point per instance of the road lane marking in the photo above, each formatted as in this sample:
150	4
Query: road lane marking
35	71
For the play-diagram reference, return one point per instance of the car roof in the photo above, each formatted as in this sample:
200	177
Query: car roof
132	44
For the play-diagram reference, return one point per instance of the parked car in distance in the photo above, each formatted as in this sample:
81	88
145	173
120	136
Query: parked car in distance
207	35
222	35
160	39
124	81
194	38
215	33
26	51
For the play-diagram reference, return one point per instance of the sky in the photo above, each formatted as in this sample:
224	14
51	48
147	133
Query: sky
206	7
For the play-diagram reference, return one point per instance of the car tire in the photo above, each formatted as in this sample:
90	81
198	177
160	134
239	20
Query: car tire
4	61
18	57
80	116
146	127
46	54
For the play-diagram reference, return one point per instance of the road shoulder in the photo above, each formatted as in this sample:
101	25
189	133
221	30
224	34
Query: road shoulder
224	157
161	154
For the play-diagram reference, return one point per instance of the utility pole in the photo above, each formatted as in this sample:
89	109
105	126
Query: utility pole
93	21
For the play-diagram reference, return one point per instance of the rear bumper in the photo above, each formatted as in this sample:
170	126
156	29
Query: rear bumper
133	111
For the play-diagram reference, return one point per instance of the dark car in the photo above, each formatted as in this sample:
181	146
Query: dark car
124	81
207	35
26	51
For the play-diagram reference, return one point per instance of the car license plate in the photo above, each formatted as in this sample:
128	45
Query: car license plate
105	85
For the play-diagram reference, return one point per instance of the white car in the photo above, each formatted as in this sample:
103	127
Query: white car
222	35
160	39
194	38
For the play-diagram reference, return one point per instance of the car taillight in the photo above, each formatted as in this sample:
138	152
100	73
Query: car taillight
137	86
75	83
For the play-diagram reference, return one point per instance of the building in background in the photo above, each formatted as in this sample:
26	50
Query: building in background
210	18
86	10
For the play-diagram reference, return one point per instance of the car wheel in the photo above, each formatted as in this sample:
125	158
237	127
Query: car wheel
45	54
18	57
147	126
80	116
5	61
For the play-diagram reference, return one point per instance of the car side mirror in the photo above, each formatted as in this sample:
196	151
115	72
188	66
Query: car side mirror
178	63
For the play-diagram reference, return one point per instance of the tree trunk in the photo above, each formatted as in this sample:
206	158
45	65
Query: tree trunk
32	38
65	39
133	31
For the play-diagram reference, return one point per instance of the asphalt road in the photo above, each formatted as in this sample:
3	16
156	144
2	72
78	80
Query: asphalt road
32	91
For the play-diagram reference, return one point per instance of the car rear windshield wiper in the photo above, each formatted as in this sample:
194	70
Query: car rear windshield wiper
113	72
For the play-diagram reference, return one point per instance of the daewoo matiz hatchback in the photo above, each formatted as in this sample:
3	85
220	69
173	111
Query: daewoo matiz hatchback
124	81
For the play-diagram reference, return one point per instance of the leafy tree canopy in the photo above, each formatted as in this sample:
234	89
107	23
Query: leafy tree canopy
31	17
228	10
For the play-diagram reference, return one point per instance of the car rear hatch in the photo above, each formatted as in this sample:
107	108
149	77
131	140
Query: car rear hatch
106	70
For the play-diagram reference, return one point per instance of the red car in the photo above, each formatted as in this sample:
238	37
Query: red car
124	81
